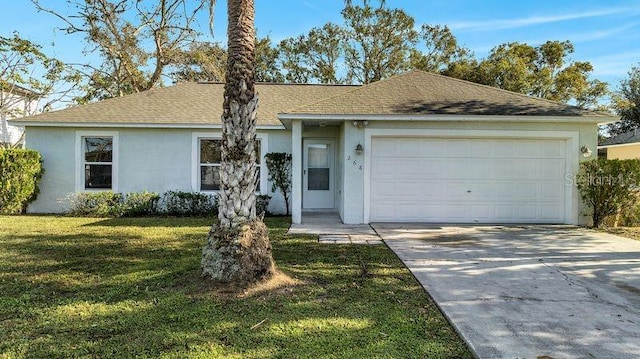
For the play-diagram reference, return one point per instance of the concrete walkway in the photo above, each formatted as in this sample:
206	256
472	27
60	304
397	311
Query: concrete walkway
329	228
530	291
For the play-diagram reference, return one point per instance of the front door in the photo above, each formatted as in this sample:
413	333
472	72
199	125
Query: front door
318	174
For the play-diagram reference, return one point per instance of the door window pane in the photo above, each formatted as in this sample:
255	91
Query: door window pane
318	156
318	179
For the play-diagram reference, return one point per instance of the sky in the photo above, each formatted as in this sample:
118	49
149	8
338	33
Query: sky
605	33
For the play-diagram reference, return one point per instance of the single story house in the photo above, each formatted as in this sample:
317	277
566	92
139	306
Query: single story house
624	146
417	147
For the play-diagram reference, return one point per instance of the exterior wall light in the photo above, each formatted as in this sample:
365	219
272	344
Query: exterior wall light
359	149
586	151
360	123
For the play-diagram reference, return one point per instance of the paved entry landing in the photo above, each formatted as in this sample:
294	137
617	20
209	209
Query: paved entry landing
529	291
330	229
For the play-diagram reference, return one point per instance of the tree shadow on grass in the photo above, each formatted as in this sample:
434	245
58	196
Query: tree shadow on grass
128	293
170	222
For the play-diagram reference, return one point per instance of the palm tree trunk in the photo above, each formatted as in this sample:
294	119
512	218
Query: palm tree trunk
238	248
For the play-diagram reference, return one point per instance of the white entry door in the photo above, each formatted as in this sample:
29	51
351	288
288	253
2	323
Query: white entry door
318	186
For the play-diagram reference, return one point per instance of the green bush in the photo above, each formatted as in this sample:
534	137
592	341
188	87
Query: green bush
262	203
179	203
20	170
137	204
627	216
607	186
279	167
97	204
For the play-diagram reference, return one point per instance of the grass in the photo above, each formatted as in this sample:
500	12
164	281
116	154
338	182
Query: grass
94	288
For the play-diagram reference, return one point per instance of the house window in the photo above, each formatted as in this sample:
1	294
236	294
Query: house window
98	162
209	157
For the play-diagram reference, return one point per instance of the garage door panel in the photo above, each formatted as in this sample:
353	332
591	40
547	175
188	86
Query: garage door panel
551	213
504	213
527	212
551	191
481	149
553	168
457	212
552	149
472	180
482	212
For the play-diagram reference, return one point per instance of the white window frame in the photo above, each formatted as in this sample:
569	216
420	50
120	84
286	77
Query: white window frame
195	159
80	162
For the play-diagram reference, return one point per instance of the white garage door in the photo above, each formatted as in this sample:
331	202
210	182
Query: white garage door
463	180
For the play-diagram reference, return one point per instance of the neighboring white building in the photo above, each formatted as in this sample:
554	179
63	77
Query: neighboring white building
416	147
16	102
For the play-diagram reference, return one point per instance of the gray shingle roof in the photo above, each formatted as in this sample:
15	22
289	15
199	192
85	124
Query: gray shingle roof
411	93
187	103
422	93
623	138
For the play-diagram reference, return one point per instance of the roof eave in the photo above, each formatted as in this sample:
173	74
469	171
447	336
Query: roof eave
288	117
132	125
620	144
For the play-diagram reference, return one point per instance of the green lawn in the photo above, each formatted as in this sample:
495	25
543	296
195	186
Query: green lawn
104	288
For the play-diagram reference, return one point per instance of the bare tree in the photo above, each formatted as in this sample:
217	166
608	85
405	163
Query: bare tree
136	39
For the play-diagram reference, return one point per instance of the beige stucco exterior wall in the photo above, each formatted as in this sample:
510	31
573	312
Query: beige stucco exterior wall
625	152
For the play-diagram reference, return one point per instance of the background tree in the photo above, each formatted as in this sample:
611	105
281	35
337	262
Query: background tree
313	57
202	61
441	50
30	81
378	42
137	40
373	43
266	62
626	104
238	248
540	71
206	61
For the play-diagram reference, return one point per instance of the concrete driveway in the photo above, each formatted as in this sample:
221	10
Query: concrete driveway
529	291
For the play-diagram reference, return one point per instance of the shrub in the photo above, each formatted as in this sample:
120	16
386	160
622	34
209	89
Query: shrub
20	170
140	204
279	166
179	203
608	185
262	203
97	204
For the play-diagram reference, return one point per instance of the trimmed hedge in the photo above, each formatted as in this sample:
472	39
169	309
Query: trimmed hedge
172	203
135	204
179	203
20	171
97	204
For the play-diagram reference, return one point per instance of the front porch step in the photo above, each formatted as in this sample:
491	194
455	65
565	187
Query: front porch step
349	239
